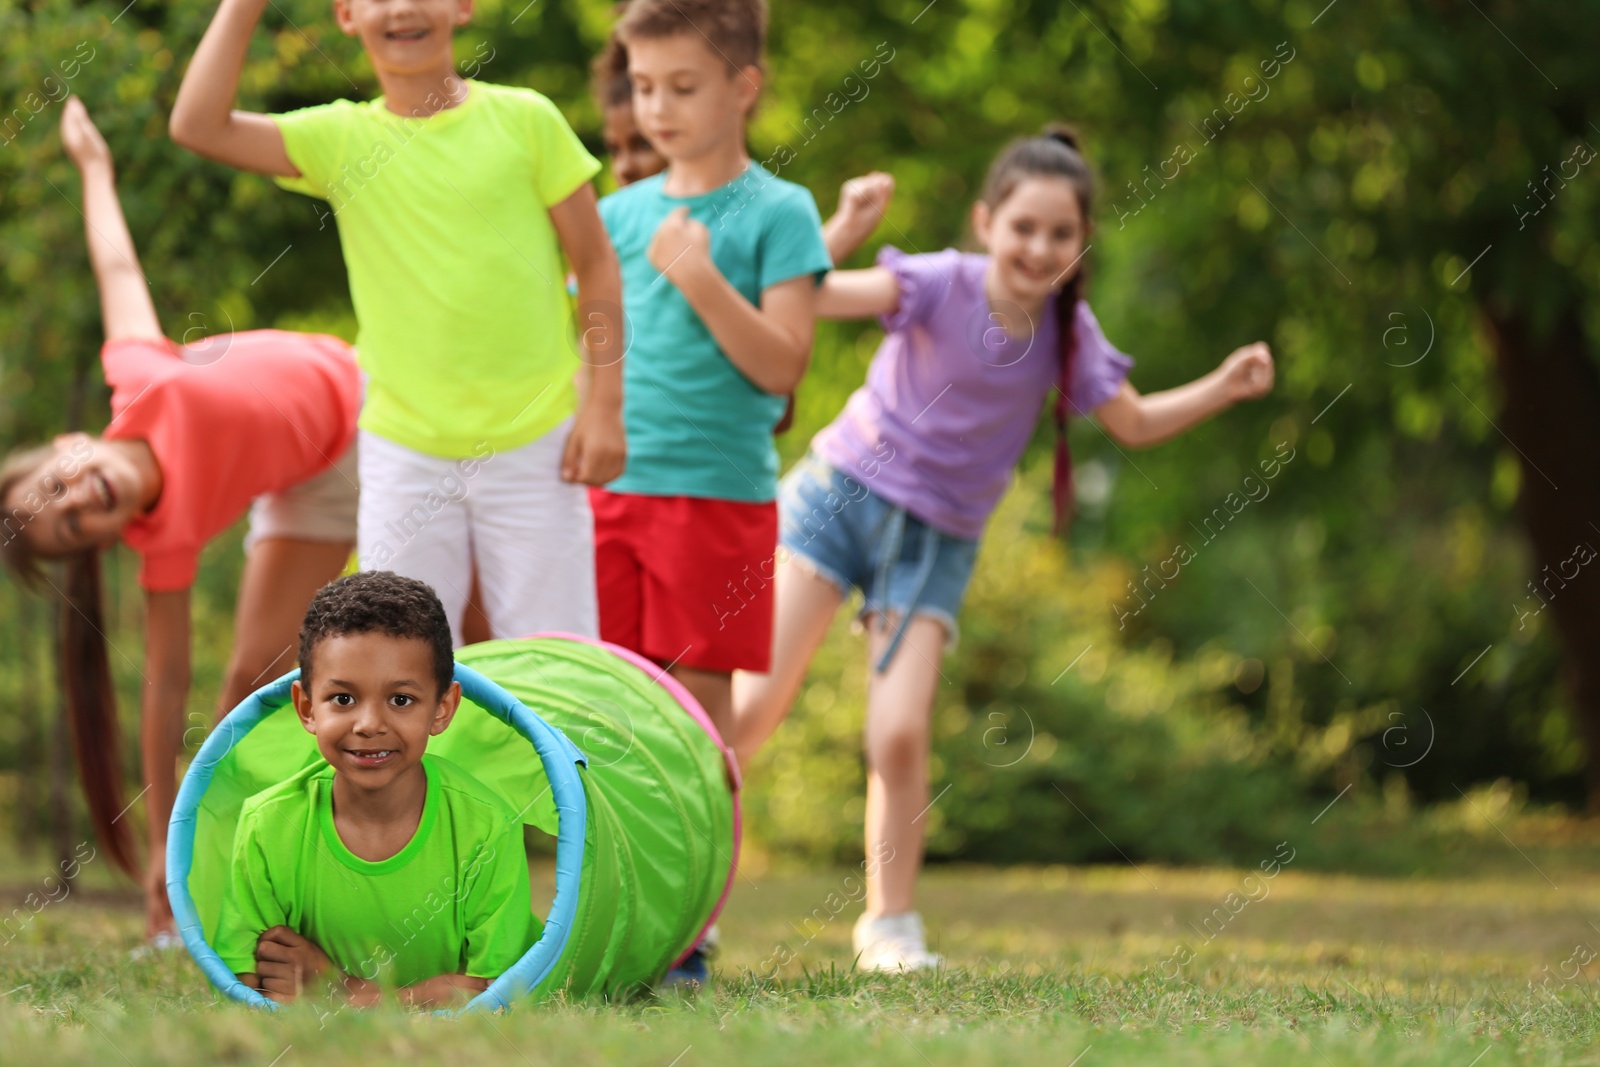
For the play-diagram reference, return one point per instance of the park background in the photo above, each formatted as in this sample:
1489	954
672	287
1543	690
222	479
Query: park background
1360	625
1354	663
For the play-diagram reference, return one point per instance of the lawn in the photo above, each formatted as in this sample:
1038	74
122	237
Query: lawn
1084	966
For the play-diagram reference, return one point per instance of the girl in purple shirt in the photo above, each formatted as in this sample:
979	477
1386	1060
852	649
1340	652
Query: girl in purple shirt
895	492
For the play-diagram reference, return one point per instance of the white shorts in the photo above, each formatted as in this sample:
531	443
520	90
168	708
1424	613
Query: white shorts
530	534
321	508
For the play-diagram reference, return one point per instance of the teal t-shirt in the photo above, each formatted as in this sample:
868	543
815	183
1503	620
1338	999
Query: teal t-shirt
696	425
454	900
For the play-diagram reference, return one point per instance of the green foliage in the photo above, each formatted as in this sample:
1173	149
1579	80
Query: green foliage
1335	215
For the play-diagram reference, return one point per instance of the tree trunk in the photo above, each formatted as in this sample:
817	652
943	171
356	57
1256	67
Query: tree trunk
1552	418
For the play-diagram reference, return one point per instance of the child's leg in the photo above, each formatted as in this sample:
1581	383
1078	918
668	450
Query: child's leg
300	539
714	691
806	604
280	578
899	736
533	539
474	620
414	521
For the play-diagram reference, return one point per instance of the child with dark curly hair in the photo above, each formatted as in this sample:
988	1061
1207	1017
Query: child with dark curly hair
381	863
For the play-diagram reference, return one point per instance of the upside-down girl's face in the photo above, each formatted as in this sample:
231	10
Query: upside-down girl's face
1035	238
80	498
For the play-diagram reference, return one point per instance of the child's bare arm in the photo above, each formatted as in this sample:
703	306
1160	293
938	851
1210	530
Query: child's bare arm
203	119
1141	421
771	344
858	294
442	990
596	449
161	705
126	310
862	203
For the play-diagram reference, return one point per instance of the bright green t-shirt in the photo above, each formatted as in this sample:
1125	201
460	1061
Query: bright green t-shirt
455	273
454	900
696	425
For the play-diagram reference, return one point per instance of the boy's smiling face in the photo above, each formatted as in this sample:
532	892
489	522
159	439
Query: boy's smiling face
404	36
685	99
373	703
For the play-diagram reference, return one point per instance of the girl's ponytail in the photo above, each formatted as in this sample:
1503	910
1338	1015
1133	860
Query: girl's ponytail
1054	153
92	706
1061	132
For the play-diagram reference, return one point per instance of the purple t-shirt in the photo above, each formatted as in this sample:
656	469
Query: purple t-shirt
950	399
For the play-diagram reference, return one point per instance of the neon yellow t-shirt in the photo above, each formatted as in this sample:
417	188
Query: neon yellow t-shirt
454	900
455	273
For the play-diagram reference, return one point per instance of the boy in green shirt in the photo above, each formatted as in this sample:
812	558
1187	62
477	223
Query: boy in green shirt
382	863
454	199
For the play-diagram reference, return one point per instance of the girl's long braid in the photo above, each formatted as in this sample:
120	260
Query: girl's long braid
1052	154
1066	318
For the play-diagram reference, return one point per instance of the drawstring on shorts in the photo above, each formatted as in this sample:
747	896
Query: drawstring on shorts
894	538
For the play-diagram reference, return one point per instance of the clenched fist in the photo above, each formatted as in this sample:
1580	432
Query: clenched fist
1247	372
678	237
865	199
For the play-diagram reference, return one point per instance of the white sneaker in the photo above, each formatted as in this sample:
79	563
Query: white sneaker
164	941
892	943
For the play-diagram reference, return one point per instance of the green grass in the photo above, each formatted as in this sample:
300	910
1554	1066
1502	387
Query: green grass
1045	965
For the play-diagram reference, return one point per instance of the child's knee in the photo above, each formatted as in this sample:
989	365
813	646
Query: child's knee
898	750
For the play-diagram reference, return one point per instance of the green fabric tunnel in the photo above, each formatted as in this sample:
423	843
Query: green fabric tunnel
588	742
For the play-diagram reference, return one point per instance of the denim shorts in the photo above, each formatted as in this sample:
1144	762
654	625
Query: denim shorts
858	540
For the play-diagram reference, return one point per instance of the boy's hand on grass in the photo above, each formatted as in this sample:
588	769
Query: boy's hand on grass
81	138
361	993
1248	372
287	963
677	238
597	448
442	990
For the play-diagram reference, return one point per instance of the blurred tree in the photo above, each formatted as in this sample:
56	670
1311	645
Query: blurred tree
1408	224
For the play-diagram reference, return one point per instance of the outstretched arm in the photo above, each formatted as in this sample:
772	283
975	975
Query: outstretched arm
161	703
858	294
126	310
1141	421
203	119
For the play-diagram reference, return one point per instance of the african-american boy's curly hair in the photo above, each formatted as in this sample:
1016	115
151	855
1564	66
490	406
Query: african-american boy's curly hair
608	74
378	602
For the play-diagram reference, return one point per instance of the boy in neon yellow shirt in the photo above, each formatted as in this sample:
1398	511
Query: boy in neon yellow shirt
454	199
382	863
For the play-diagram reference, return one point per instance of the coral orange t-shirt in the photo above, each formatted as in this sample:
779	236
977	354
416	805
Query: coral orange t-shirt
228	418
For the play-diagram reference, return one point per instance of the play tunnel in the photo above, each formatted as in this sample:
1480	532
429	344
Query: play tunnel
589	743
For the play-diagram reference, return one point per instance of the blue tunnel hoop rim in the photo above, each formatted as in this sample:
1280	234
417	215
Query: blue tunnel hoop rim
556	752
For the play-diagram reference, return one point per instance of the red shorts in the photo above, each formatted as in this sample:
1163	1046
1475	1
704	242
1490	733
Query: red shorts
685	580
